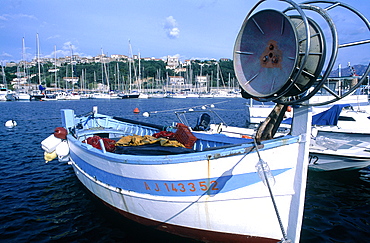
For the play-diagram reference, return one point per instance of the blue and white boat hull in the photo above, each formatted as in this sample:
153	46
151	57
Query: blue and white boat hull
212	194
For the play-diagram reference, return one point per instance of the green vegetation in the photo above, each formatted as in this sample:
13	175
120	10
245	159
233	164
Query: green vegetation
153	73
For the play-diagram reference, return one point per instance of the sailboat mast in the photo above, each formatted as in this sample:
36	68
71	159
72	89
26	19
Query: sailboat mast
102	66
38	57
82	85
129	66
66	82
55	66
117	77
72	67
218	76
95	85
23	70
139	79
23	54
105	60
3	73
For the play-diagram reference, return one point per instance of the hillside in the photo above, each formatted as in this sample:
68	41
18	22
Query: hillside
346	71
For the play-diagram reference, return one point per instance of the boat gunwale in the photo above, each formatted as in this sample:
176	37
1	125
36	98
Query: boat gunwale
207	154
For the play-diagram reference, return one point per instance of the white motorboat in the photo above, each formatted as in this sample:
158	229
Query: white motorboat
329	154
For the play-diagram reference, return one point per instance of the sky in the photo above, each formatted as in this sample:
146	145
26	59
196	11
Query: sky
189	29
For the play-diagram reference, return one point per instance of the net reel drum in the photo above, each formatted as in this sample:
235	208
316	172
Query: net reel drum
279	57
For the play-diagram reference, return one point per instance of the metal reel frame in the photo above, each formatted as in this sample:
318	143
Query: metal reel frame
335	47
363	78
299	99
316	57
290	98
303	61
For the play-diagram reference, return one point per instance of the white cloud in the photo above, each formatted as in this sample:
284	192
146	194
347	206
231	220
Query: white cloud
170	26
66	50
174	32
5	58
4	54
25	16
206	3
7	17
68	46
53	37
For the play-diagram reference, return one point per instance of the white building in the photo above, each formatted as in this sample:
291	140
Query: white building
172	62
201	83
73	80
176	80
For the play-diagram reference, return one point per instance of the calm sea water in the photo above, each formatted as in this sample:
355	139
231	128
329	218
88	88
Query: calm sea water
45	202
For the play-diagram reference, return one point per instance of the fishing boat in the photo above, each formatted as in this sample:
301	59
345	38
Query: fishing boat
211	187
197	191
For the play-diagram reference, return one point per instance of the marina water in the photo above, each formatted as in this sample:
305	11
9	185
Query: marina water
44	202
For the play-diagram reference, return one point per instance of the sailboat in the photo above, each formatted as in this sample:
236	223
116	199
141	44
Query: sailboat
21	93
5	94
103	94
37	94
72	95
129	94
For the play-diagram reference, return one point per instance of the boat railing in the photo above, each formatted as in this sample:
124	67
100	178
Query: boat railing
181	115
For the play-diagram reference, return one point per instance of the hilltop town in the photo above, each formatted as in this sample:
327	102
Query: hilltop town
121	73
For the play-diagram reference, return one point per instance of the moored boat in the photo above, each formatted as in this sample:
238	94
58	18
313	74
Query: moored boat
348	149
6	95
22	96
212	187
197	191
128	95
36	95
330	154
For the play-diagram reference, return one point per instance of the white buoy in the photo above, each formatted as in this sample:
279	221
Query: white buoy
204	107
50	143
191	109
146	114
10	123
212	106
62	149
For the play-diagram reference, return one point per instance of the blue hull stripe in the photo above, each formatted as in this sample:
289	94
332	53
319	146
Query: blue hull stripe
177	188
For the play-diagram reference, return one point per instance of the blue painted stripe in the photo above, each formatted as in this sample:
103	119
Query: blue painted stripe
177	188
